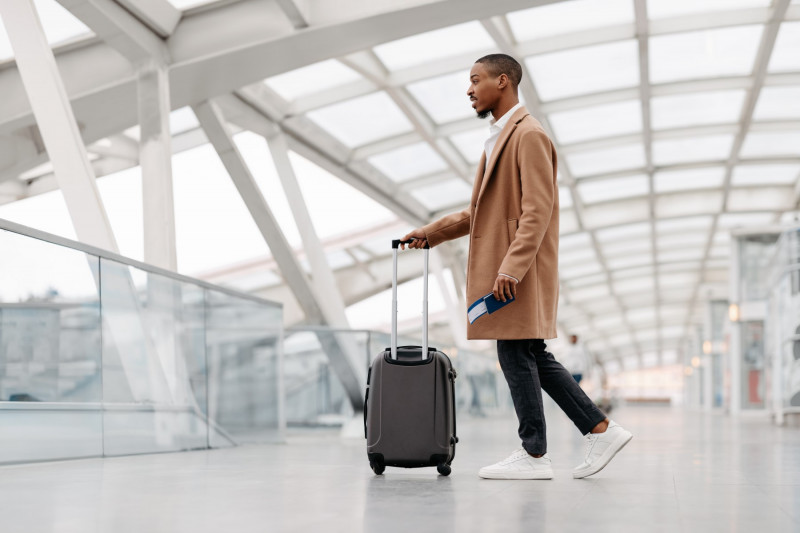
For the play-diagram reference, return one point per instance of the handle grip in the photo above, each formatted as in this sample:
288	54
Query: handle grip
397	242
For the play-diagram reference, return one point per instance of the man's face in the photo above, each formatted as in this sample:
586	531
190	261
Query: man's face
484	90
573	339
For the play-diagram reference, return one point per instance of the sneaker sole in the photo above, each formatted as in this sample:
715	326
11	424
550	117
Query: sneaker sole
609	454
516	475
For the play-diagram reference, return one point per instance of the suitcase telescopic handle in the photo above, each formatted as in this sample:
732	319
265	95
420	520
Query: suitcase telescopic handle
395	245
397	242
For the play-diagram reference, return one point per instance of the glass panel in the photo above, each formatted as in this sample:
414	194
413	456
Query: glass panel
471	143
362	120
243	344
778	198
154	362
628	231
564	197
59	24
620	212
784	56
777	103
731	221
682	240
636	285
686	204
692	149
314	395
432	45
567	17
613	189
764	144
765	174
49	351
753	361
448	193
696	109
409	162
703	54
444	98
310	79
599	121
593	162
585	70
683	224
657	9
696	178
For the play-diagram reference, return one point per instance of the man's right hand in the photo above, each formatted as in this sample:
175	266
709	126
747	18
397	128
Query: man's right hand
420	239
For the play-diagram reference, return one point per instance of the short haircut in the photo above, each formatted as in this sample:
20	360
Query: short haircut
498	64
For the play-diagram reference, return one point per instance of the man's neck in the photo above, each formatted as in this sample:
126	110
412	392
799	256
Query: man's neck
502	108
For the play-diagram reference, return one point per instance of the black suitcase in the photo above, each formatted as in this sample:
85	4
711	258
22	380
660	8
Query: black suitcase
409	407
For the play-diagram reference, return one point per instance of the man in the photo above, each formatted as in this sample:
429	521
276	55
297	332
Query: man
576	359
512	223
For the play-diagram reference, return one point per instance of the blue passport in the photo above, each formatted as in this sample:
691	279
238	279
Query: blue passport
485	305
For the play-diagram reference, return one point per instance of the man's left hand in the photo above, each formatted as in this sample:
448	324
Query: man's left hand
505	288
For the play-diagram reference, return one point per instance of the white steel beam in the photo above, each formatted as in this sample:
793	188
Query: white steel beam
155	158
213	122
161	16
121	30
59	131
297	11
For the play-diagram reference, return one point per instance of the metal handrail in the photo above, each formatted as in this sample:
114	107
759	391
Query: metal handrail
13	227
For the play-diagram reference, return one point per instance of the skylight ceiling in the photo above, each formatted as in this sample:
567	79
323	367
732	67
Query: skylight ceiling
667	138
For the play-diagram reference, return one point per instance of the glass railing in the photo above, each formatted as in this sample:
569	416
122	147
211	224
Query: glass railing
101	355
315	397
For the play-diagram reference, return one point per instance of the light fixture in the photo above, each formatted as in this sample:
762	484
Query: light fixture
706	347
695	361
733	312
688	371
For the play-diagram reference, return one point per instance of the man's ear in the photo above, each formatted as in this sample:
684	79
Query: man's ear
502	81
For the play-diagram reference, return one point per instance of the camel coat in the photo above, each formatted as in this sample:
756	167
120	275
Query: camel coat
512	223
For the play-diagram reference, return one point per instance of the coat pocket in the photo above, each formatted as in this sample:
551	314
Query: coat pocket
512	229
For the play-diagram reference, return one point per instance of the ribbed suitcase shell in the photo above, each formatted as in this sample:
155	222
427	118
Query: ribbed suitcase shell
409	419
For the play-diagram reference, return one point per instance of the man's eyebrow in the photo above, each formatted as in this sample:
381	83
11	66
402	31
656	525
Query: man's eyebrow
473	76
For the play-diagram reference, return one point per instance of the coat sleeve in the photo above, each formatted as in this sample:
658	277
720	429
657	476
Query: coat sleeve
538	185
448	227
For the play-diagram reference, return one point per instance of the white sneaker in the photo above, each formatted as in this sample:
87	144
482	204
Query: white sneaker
600	448
519	465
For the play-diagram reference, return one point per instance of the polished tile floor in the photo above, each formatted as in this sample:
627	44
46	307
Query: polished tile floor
683	471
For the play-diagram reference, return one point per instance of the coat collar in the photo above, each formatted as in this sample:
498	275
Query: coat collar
505	134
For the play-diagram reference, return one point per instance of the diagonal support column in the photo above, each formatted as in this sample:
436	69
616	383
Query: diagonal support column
213	123
62	140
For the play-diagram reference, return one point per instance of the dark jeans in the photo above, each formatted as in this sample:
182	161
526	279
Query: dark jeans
529	368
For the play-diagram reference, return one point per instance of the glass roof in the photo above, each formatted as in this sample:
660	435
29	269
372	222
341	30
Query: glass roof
704	53
425	47
605	120
355	122
585	70
566	17
643	163
310	79
696	109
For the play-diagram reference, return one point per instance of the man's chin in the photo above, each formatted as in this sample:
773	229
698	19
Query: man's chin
483	114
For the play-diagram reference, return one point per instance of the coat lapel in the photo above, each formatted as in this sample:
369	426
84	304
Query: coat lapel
509	128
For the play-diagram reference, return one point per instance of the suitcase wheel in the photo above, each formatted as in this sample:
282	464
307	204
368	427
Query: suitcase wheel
444	469
377	467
